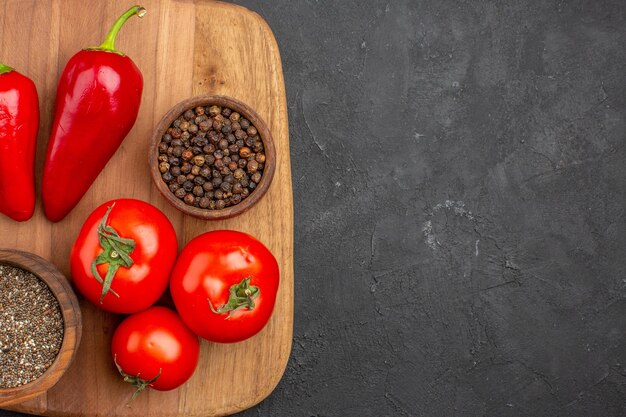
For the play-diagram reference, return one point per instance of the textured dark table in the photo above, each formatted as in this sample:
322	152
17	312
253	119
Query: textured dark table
459	179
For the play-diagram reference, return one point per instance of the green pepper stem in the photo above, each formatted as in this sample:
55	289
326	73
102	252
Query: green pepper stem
109	41
5	68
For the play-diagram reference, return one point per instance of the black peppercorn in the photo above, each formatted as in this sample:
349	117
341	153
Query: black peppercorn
198	191
185	168
220	204
173	186
175	171
240	134
188	185
199	180
204	202
180	193
238	173
167	177
189	115
190	199
214	110
163	147
204	125
181	179
167	138
252	166
244	152
226	186
187	154
256	177
198	160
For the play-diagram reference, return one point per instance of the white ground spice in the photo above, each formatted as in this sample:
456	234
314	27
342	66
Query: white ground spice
31	327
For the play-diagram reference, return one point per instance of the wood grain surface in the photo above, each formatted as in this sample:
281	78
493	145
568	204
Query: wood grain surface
183	48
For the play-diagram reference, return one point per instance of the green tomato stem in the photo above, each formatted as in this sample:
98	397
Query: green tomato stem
116	252
241	296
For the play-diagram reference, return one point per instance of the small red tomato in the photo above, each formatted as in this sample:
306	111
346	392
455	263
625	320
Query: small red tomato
224	285
155	349
123	256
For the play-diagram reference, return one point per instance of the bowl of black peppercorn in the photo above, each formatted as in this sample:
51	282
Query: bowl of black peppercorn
212	157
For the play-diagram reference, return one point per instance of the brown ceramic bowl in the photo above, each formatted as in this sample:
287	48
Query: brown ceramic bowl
247	112
72	324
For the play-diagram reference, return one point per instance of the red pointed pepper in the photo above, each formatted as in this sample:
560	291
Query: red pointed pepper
97	102
19	123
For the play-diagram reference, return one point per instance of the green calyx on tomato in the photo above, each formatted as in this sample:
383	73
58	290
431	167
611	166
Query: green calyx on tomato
241	296
116	252
135	380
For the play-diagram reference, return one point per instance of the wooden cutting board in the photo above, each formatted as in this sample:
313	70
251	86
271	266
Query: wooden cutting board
184	48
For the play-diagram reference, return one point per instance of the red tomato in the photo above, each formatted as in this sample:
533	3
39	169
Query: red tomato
224	285
132	246
155	349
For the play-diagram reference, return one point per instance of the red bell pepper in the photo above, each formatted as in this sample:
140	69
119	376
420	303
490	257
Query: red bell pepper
97	102
19	123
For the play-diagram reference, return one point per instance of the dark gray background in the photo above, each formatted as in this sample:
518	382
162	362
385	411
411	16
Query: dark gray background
459	183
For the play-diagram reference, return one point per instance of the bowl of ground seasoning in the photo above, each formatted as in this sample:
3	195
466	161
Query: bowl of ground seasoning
40	325
212	157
